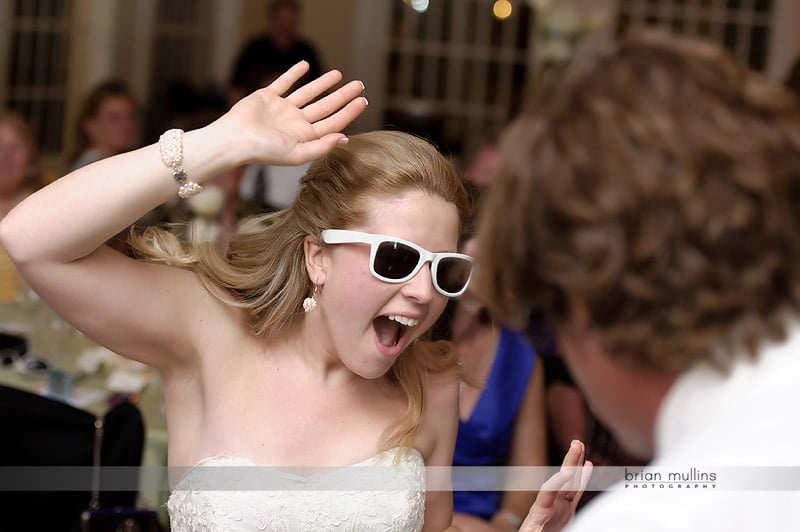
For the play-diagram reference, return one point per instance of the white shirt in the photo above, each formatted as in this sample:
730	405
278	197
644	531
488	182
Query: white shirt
281	183
744	427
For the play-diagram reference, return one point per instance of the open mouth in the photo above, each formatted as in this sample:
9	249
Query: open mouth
390	329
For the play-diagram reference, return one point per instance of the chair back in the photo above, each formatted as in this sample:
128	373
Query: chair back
50	444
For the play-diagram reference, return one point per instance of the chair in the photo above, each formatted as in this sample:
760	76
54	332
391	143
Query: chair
42	434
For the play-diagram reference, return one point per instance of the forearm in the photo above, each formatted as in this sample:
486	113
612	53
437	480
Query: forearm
528	449
76	214
514	508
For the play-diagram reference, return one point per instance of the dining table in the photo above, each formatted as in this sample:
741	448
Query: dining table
62	363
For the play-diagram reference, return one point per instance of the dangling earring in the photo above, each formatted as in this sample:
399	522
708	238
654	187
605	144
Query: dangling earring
310	303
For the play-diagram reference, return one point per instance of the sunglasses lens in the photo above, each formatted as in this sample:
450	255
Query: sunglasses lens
394	260
453	274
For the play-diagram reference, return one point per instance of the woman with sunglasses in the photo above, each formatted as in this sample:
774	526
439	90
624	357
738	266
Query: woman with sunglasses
304	346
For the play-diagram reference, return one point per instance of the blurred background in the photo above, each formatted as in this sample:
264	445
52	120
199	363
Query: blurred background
441	68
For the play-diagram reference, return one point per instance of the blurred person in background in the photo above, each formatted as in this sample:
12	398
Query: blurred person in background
19	176
482	159
266	56
501	412
261	188
501	401
648	209
792	80
107	124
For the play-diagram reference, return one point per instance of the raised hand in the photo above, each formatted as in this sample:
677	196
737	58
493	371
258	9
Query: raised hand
298	127
559	496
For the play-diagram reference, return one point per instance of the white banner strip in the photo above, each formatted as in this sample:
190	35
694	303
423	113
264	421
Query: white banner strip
388	478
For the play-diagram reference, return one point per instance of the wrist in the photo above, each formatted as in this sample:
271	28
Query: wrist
231	144
221	144
170	144
194	156
508	518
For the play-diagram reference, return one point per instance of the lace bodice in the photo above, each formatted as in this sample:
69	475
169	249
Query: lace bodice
383	493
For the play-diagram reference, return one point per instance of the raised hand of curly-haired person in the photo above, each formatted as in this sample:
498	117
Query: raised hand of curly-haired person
559	496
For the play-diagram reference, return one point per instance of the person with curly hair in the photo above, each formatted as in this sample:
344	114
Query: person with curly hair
649	210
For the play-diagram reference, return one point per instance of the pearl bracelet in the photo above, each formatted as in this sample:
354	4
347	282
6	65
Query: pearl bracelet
171	145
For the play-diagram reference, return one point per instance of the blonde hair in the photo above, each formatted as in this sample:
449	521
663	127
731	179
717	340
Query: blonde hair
264	270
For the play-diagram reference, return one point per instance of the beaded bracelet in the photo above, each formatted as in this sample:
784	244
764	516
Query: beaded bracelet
171	145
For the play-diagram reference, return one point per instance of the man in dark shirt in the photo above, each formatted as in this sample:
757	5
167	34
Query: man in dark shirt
264	57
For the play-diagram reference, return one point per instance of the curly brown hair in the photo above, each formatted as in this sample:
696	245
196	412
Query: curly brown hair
661	186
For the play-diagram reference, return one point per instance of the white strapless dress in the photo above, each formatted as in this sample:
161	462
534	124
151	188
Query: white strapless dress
383	493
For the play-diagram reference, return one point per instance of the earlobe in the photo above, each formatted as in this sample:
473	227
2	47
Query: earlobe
315	260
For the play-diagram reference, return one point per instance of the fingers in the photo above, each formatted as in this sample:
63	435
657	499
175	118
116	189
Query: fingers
327	114
574	456
314	88
565	484
586	474
554	488
341	118
574	459
315	149
332	102
558	497
330	113
328	131
285	81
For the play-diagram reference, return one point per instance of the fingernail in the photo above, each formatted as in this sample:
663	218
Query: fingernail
362	85
574	442
343	140
365	100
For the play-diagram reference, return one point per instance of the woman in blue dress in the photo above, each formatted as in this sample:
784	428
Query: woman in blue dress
501	414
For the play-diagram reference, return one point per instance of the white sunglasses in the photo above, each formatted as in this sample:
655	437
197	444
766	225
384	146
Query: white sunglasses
394	260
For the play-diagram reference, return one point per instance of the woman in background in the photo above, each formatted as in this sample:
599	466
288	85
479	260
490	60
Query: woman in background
501	413
19	176
108	123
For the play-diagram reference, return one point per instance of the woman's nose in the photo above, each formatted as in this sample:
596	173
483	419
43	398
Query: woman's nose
420	287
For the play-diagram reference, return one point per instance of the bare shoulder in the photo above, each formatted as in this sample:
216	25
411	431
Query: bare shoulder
442	389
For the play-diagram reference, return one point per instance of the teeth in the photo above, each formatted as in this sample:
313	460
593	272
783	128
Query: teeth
402	320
